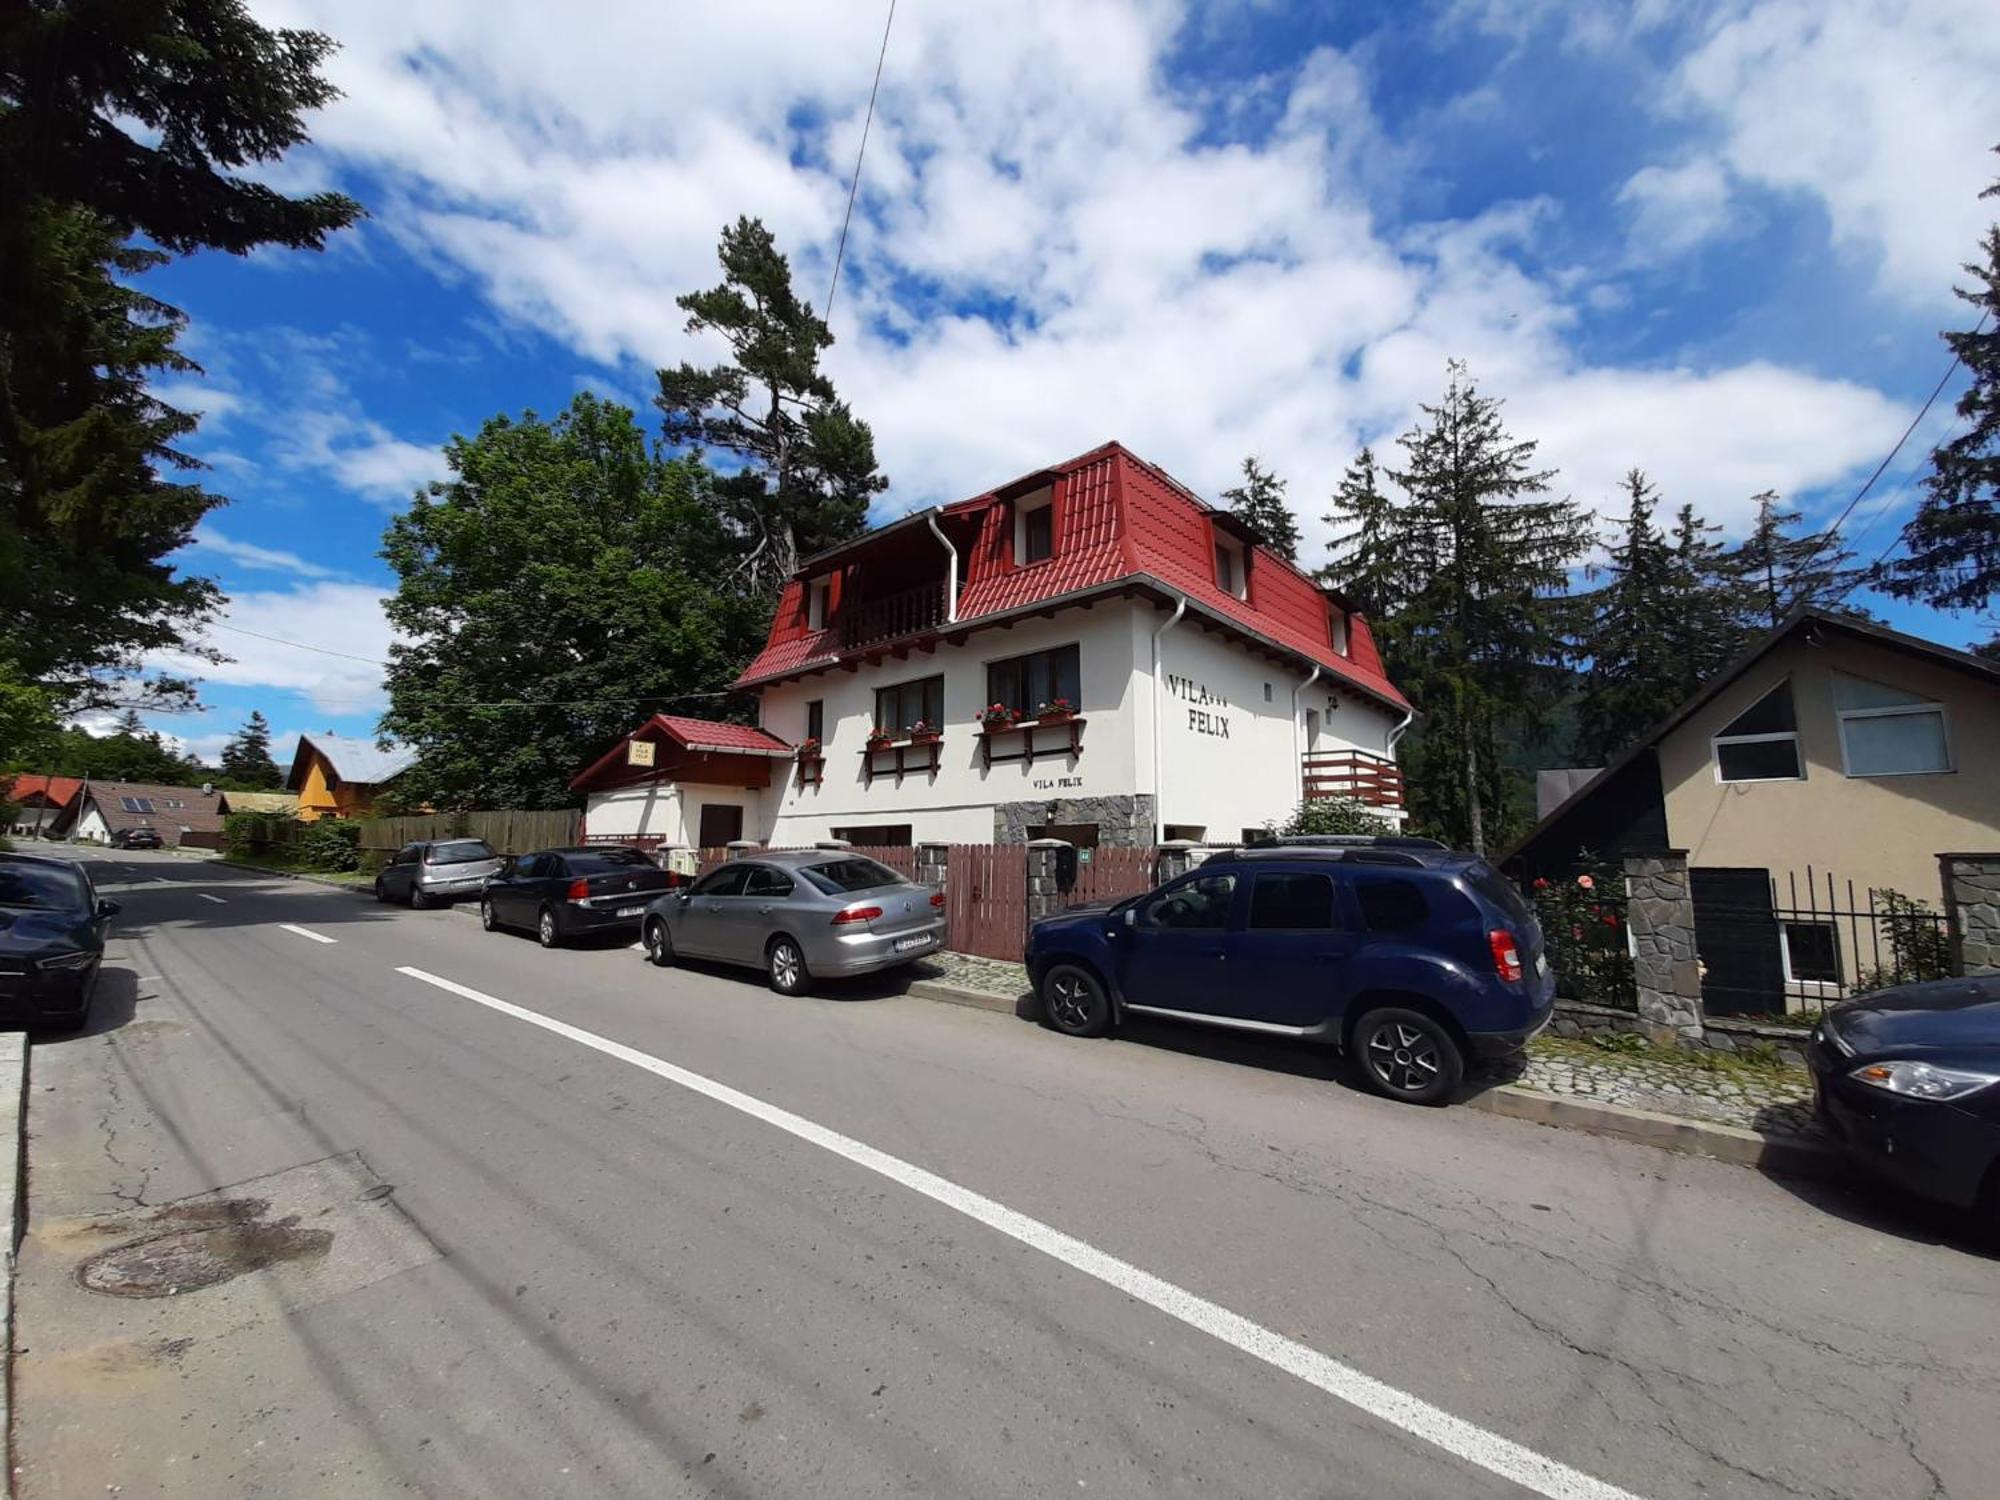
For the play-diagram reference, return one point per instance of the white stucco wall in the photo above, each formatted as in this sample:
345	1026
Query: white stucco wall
91	827
957	804
1229	744
672	811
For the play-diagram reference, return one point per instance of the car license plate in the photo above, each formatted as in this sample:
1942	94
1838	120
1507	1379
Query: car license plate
921	940
631	911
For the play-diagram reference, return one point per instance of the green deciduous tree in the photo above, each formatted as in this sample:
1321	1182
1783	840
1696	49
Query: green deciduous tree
567	567
1953	559
131	752
808	462
1479	626
1259	503
122	123
1363	565
246	760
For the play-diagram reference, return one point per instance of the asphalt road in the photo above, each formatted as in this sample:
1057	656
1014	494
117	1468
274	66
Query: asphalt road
581	1227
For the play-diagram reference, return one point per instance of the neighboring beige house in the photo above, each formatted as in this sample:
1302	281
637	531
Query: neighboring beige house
1831	760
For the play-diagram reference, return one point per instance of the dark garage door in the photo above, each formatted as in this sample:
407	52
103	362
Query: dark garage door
1736	932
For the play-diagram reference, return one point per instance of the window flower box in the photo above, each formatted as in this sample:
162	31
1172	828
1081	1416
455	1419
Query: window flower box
996	718
1056	711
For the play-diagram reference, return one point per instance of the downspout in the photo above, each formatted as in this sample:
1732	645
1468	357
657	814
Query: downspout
1409	715
951	571
1159	798
1298	751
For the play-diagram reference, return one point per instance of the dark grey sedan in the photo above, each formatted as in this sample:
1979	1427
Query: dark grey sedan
799	916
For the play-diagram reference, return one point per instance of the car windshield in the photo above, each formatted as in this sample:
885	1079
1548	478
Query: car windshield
838	876
599	860
459	852
40	887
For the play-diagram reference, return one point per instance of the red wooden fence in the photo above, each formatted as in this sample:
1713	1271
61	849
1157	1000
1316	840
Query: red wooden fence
986	899
1112	873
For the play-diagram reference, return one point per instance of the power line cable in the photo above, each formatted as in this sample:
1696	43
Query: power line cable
854	187
278	640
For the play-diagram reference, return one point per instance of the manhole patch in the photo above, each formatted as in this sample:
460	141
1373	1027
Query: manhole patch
190	1259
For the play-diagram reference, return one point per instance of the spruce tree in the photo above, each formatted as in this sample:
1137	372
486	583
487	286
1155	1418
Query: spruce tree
1259	503
1953	560
1629	632
1777	572
1478	633
246	759
808	462
1364	564
1706	627
123	130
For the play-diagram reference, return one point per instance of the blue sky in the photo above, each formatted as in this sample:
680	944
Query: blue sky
1712	240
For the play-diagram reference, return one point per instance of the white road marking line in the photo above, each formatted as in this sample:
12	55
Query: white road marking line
307	932
216	899
1487	1450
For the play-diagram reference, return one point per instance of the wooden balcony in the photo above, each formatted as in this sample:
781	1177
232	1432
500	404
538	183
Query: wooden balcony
864	622
1371	780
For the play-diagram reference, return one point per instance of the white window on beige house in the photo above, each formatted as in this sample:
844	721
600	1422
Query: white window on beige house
1885	731
1762	742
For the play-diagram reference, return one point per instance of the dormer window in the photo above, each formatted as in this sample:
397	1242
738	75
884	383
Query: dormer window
818	591
1034	527
1230	575
1336	625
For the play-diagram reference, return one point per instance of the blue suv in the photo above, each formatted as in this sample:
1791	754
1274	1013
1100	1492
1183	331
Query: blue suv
1413	958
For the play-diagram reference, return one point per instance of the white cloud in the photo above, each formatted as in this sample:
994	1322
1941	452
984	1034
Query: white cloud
322	642
211	403
250	555
1881	110
1052	247
1673	209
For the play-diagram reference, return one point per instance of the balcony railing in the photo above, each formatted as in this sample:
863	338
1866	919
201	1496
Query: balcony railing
866	621
1371	780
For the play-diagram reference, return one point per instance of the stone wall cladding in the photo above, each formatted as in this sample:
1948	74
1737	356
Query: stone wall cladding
1577	1020
1972	903
1666	963
1125	822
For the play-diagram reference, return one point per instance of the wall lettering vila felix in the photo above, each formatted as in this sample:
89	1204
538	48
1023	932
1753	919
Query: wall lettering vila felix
1205	719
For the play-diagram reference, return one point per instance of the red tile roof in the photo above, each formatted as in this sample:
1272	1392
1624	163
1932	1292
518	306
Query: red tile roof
59	790
713	735
1118	520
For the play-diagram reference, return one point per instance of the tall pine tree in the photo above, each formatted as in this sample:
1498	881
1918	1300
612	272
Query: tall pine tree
1259	503
1629	628
1479	630
1954	540
246	759
1777	571
1364	564
1706	629
808	462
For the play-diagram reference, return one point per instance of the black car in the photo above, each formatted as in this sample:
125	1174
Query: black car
559	894
1909	1079
52	928
137	838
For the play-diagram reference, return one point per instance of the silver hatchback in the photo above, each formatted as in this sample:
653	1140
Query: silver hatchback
799	916
437	870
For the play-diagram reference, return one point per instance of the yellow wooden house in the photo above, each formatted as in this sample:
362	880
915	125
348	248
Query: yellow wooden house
339	777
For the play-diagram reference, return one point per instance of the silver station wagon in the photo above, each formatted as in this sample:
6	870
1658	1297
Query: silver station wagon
799	916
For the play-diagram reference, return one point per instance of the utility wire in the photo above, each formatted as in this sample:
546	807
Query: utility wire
854	187
278	640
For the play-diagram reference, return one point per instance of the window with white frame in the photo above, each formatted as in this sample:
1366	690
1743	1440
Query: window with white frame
1886	731
1230	575
1762	742
1336	626
1034	527
818	591
1812	953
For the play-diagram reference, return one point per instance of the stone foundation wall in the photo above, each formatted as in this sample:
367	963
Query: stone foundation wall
1575	1019
1123	822
1972	903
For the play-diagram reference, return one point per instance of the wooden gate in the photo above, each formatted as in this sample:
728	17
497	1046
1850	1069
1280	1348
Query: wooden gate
1111	874
986	899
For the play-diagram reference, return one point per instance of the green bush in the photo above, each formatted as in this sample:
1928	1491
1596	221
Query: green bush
1919	944
1323	815
330	844
1583	924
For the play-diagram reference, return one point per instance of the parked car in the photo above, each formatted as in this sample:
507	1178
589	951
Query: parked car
559	894
1909	1079
137	838
52	929
798	916
1415	960
433	870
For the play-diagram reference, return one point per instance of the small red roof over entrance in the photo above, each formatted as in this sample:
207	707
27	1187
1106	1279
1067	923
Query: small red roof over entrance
689	744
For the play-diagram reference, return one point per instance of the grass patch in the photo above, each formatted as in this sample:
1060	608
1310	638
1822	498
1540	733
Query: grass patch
1759	1060
293	866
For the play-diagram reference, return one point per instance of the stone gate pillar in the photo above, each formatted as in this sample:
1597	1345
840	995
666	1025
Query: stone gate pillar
1666	963
1972	906
1044	900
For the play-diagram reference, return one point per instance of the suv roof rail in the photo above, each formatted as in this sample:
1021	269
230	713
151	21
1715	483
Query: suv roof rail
1345	854
1353	841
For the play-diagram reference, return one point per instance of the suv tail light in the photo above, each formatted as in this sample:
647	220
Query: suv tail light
579	890
856	914
937	898
1506	955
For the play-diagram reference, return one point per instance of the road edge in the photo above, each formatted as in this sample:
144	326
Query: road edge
328	882
951	994
14	1105
1794	1156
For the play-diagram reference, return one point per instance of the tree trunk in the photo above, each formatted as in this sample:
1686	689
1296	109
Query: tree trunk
1475	821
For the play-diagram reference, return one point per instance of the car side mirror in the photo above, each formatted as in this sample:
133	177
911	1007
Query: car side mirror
684	896
106	908
1131	916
